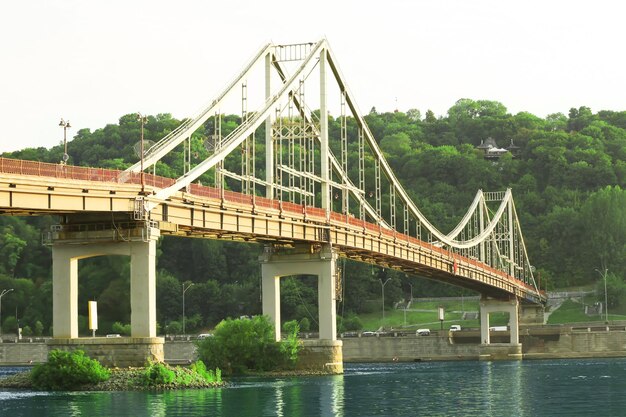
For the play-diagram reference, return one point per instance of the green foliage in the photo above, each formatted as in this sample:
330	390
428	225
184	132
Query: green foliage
123	329
209	375
38	328
158	373
68	370
615	291
240	345
291	345
291	326
305	324
173	327
350	323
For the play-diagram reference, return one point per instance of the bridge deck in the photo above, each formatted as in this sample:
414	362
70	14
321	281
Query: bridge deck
34	188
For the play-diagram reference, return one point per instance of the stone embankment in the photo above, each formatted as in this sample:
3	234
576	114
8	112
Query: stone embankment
538	342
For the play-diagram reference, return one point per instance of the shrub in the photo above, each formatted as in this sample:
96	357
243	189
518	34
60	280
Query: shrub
240	345
120	328
157	373
350	324
38	328
305	324
68	370
291	346
212	377
173	327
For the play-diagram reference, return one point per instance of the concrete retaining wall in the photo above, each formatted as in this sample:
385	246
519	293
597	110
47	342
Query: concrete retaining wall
537	342
407	349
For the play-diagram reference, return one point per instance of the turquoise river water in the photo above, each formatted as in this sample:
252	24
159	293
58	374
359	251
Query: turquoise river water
588	387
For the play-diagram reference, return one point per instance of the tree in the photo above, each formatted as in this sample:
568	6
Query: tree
604	221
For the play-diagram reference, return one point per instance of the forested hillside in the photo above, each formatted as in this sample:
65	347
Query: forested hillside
568	175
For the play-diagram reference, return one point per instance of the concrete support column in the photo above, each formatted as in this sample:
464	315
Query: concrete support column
64	292
326	296
270	289
484	326
143	288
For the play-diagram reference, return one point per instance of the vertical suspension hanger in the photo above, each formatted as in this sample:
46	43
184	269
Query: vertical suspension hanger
361	145
344	153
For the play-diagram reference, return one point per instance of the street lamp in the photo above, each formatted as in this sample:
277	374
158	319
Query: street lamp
382	284
2	294
65	124
143	120
184	291
606	299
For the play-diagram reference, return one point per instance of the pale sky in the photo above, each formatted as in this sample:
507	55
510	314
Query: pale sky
94	61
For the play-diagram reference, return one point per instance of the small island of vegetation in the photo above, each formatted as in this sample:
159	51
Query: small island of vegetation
74	371
239	346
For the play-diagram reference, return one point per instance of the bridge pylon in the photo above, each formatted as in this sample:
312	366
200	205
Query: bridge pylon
325	353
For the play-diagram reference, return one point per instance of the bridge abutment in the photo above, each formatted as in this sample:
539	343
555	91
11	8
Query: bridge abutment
324	354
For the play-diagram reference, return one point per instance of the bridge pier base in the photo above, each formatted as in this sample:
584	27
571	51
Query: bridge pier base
500	351
118	352
323	354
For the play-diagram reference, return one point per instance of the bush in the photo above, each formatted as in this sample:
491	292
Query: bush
247	344
349	324
173	327
38	328
123	329
158	374
305	324
291	346
209	376
68	370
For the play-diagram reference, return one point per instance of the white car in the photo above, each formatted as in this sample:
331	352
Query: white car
422	332
455	328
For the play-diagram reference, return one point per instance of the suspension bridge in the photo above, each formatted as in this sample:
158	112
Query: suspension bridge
280	178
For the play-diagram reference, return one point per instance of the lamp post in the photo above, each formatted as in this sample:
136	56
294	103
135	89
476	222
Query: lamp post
143	120
606	298
184	291
382	284
65	124
4	292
